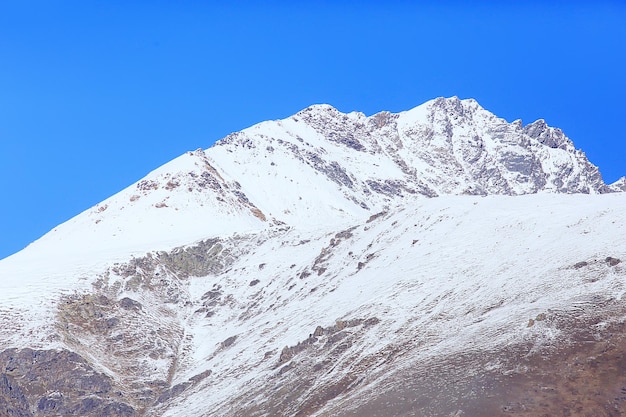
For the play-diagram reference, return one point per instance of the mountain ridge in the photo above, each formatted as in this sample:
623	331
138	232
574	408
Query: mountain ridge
392	168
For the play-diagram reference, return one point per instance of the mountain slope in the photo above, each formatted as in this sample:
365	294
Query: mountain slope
400	294
318	264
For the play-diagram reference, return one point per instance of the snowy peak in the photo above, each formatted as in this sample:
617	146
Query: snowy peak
497	157
321	165
453	107
445	146
549	136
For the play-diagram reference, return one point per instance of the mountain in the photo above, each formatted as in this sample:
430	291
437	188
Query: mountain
439	261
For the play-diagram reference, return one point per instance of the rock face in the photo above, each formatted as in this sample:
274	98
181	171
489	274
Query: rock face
446	146
56	383
439	261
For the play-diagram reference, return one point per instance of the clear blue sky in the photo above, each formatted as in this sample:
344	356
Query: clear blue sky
95	94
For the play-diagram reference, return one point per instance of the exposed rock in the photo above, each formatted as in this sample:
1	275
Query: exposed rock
56	383
332	334
129	304
12	398
612	261
173	392
207	257
229	341
619	185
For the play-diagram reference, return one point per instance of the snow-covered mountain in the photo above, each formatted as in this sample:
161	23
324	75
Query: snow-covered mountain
439	261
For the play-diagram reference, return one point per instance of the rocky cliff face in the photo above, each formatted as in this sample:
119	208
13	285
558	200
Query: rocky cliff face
446	146
440	261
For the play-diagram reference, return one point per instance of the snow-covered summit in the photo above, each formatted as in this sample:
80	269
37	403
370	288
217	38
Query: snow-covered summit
323	166
445	146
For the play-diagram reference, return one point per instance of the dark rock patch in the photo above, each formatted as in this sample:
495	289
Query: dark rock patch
612	261
228	342
56	383
129	304
12	398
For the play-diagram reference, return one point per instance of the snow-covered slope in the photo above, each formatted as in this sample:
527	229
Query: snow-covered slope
619	185
445	276
317	265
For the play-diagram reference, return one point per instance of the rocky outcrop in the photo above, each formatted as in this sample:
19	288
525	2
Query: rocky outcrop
445	146
56	383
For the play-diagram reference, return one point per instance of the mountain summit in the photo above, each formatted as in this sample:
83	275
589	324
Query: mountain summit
321	166
438	261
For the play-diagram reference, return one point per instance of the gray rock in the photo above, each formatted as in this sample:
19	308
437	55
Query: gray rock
55	383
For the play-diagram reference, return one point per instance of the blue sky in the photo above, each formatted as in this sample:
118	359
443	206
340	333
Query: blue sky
95	94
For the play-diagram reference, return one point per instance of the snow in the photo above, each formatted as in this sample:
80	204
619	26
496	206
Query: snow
452	271
459	284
